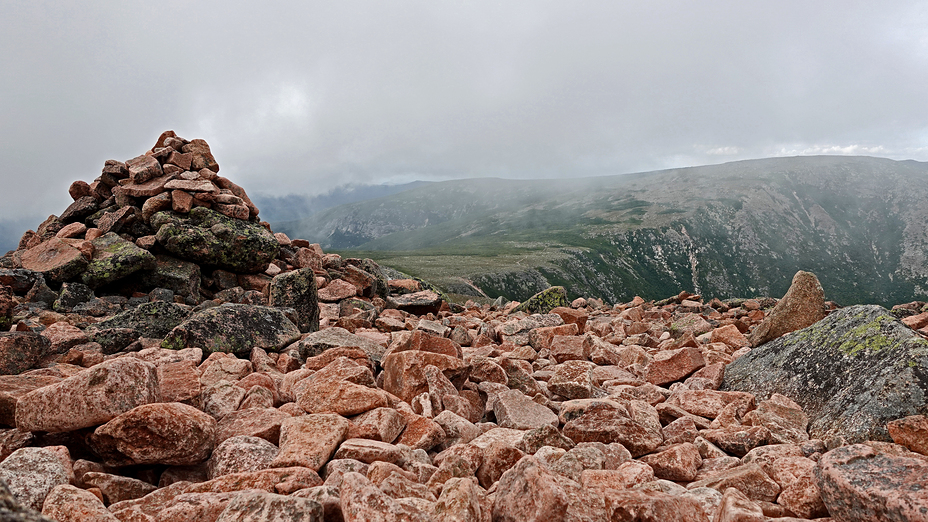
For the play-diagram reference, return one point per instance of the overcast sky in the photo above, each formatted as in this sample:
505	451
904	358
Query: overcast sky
299	97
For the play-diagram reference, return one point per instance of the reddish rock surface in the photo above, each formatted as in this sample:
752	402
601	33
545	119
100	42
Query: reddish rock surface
859	482
89	398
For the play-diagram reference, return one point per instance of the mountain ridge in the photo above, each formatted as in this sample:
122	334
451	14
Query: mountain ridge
859	221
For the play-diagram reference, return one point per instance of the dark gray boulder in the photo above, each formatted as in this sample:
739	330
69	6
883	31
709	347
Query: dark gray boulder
316	343
71	295
851	372
297	290
115	258
235	329
179	276
20	351
207	237
154	319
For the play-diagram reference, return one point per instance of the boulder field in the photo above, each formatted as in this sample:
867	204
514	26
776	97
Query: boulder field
165	356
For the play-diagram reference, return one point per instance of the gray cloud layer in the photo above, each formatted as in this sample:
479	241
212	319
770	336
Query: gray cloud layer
304	96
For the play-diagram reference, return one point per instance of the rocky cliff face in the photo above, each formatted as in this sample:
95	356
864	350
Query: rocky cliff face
737	229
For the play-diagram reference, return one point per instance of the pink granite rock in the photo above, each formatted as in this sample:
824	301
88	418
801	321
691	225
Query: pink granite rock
261	506
514	410
336	291
66	503
861	483
340	396
169	433
673	365
56	259
529	491
368	451
604	424
179	381
31	474
89	398
116	488
709	403
280	480
257	422
460	501
404	374
803	305
679	462
383	424
310	440
362	501
911	432
749	479
240	454
143	168
641	505
737	507
193	507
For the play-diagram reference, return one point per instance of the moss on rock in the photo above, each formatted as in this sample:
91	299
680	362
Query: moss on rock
207	237
544	301
851	372
235	329
154	319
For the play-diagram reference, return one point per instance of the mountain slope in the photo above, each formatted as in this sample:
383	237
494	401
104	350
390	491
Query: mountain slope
737	229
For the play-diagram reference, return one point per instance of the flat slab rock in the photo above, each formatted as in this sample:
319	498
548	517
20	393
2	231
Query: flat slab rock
851	373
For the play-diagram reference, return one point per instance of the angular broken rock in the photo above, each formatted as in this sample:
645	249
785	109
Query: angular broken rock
802	306
600	423
239	454
255	506
168	433
155	319
418	303
68	503
316	343
89	398
404	372
55	259
516	411
31	474
859	482
310	440
234	328
545	301
529	491
19	351
12	387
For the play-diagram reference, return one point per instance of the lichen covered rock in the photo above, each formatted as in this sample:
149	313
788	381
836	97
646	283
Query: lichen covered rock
544	301
207	237
297	290
851	373
234	328
155	319
115	258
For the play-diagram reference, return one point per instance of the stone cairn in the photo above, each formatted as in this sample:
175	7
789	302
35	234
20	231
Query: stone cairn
165	357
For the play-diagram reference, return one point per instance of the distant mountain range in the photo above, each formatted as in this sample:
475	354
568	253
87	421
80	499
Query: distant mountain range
732	230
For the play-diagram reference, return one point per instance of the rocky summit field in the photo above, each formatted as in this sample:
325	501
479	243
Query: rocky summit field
166	357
